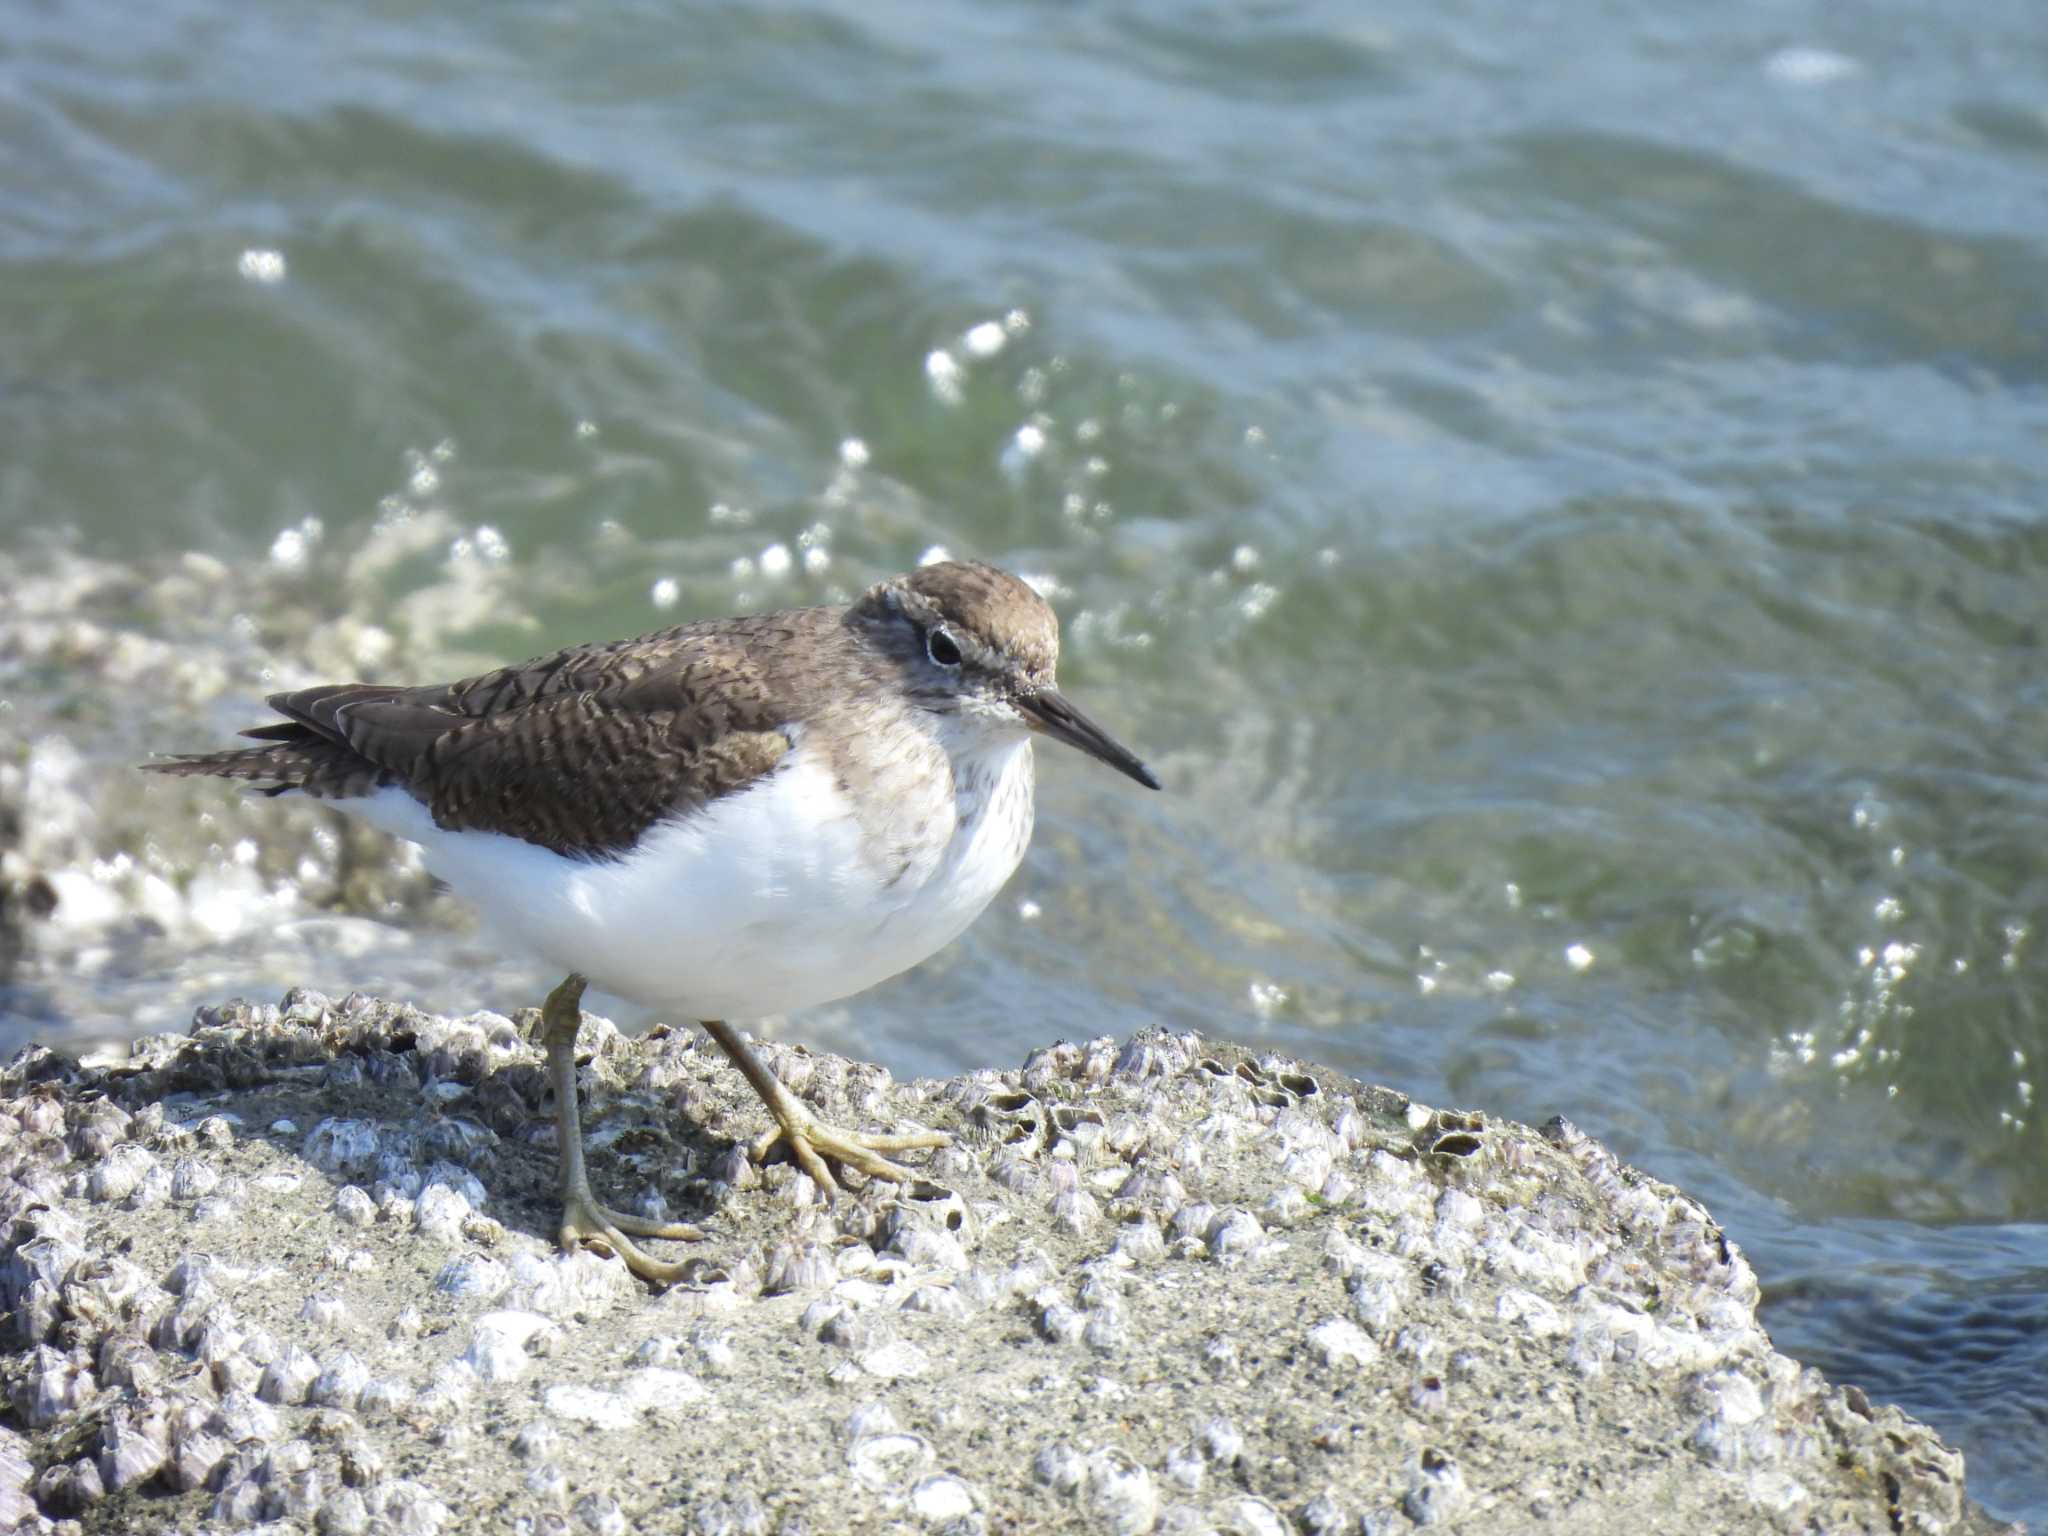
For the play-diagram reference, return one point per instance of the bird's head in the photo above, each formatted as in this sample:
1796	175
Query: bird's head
974	642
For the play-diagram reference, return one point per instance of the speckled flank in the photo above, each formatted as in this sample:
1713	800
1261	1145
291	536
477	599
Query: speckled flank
296	1268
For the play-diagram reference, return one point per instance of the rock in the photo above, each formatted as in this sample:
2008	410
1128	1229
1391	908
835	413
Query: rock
1340	1344
887	1461
1165	1286
502	1345
590	1406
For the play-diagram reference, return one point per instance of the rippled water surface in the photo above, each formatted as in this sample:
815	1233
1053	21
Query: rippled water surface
1558	494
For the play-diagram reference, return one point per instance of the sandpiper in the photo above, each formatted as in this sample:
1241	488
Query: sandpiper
731	818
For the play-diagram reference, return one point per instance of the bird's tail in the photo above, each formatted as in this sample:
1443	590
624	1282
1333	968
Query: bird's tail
292	758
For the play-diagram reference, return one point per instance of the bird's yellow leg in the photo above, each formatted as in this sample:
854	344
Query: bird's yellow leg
584	1220
811	1141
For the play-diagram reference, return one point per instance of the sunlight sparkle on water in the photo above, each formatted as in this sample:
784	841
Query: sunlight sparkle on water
261	266
1267	998
815	536
292	546
1809	66
1027	444
943	373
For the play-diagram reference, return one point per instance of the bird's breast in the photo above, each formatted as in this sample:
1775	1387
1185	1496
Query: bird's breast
991	813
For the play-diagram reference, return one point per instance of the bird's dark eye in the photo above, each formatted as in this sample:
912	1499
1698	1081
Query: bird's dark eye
943	649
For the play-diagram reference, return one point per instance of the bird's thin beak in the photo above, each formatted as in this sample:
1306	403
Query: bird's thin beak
1048	711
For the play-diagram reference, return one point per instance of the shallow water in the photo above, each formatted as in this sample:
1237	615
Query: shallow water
1555	494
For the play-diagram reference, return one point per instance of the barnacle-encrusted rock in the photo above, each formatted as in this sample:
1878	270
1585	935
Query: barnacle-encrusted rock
1159	1286
503	1345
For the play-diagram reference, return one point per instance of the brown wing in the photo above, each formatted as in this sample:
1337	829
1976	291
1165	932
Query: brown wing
579	751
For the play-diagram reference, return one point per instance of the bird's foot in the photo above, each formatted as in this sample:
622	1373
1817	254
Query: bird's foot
585	1223
811	1141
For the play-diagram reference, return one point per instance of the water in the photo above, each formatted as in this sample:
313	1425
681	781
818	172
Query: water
1555	491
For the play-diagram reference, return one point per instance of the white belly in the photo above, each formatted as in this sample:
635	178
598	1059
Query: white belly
765	902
